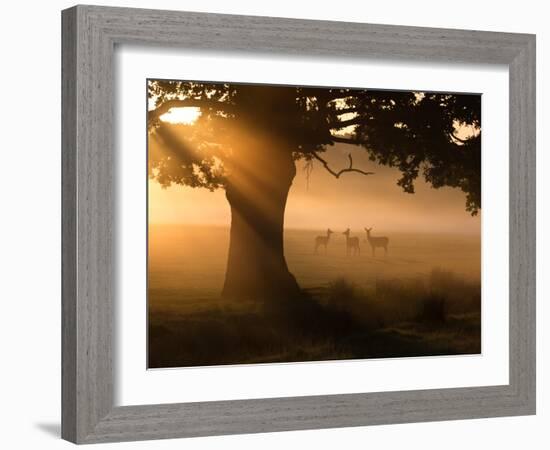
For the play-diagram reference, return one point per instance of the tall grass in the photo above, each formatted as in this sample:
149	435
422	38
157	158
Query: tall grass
424	315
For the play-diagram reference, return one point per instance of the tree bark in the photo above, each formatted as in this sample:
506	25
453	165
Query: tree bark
257	192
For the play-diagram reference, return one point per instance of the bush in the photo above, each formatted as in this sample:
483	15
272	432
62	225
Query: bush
433	309
342	294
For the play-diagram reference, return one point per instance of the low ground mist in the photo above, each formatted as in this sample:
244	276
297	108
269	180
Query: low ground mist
423	298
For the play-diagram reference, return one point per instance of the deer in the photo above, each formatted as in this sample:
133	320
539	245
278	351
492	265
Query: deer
352	244
379	241
322	241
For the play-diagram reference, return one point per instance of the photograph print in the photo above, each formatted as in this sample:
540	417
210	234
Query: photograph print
299	223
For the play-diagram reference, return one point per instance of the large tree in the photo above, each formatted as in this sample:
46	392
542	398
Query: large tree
248	138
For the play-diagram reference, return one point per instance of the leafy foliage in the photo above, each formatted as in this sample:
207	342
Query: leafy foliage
434	135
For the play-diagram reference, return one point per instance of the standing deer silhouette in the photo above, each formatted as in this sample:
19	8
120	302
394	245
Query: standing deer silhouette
379	241
352	244
322	241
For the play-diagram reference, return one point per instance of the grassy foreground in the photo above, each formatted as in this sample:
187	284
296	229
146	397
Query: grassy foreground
437	314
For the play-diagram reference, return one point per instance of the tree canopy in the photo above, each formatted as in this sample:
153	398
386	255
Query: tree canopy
433	135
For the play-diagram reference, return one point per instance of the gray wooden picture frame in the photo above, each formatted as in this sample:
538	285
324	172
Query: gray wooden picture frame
90	34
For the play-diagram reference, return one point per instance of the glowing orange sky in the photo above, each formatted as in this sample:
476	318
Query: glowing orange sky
353	201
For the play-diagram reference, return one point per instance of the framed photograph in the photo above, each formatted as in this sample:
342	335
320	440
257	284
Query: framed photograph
277	224
243	276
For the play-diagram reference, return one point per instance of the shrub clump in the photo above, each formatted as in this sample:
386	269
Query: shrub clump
342	294
433	308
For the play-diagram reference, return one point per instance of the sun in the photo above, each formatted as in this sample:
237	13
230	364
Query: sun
186	115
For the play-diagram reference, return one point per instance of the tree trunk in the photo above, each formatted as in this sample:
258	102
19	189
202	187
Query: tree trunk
257	192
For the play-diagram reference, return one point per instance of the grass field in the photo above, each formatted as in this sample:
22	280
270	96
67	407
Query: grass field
423	298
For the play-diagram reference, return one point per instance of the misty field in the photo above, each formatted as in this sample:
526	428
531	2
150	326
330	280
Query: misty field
422	299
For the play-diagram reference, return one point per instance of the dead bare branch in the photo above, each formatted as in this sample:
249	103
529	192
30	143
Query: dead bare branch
350	168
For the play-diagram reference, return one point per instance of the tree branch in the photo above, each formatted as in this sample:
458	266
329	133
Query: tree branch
188	102
454	136
343	140
346	110
337	174
346	123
